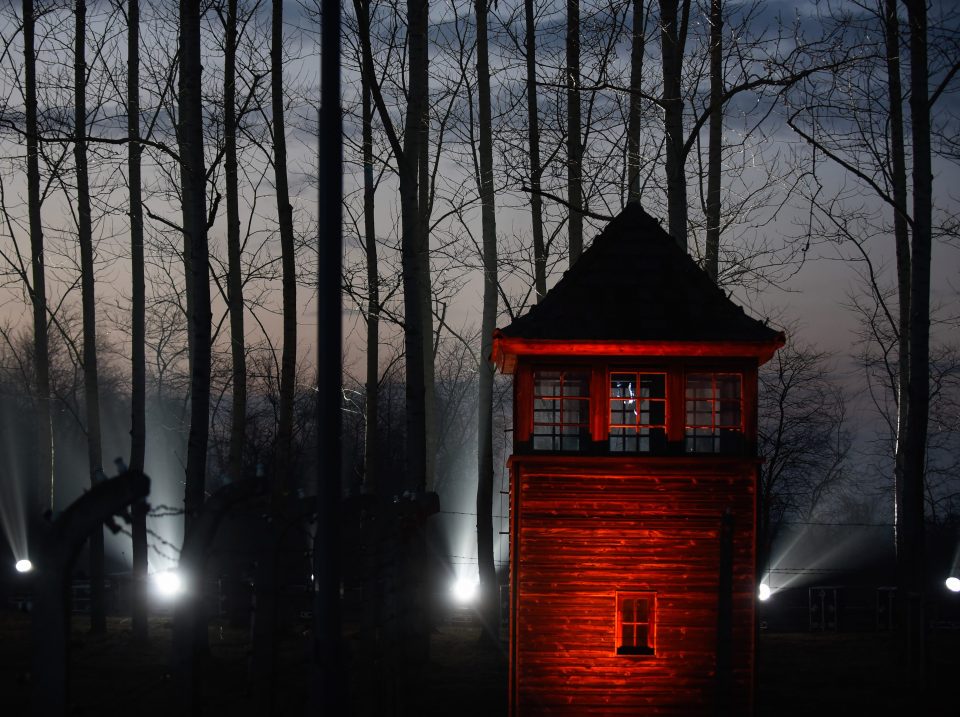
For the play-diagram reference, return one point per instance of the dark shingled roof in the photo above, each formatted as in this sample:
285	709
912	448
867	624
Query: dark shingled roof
635	284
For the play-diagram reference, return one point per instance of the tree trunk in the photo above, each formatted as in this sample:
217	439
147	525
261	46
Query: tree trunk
329	678
138	372
414	255
533	133
672	40
913	555
414	249
192	178
489	613
98	608
371	476
902	241
189	616
712	249
283	462
425	205
238	409
41	489
636	85
574	136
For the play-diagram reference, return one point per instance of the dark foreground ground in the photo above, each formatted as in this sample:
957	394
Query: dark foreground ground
800	674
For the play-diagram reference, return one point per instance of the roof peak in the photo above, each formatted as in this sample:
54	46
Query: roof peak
634	283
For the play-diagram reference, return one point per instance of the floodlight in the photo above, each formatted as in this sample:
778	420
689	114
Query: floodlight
24	566
953	584
168	583
764	592
464	590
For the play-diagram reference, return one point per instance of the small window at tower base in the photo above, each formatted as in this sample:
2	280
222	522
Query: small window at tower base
636	623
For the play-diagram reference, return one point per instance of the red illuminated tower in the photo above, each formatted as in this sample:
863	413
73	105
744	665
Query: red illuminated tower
633	486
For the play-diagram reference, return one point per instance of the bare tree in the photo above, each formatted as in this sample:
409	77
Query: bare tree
803	438
637	49
574	134
372	383
287	256
193	197
42	488
414	240
488	572
533	134
712	245
880	168
238	354
911	556
674	19
138	382
98	614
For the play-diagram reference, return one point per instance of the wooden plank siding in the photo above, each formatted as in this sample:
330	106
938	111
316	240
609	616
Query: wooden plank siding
583	529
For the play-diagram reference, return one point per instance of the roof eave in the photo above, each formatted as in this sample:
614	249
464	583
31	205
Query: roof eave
506	349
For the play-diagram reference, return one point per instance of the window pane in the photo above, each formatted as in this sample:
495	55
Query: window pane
622	385
728	386
543	404
547	383
641	635
699	385
657	413
620	414
653	385
575	384
730	413
572	412
699	413
560	409
642	610
540	417
543	443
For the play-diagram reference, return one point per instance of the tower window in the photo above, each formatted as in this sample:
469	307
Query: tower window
714	414
637	412
561	410
636	623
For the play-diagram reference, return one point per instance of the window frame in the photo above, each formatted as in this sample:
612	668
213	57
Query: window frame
557	436
594	426
650	648
638	427
716	431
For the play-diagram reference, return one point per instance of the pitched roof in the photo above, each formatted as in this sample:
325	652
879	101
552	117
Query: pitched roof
635	284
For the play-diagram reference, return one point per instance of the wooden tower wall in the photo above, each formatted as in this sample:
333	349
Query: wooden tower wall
584	528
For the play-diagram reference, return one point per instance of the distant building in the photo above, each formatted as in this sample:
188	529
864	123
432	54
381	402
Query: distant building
633	486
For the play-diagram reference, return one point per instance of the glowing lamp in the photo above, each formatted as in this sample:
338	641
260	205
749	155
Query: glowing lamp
764	592
168	583
24	566
953	584
464	590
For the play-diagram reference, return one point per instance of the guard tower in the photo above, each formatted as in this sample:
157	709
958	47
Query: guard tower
633	486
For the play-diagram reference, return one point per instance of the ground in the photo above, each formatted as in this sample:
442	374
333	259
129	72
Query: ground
800	674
